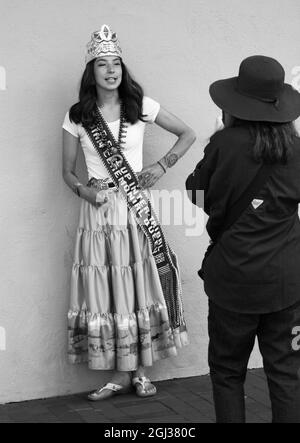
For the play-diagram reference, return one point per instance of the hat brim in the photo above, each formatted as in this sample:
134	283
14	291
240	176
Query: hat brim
226	96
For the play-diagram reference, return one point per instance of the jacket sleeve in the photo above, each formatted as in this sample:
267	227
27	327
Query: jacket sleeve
197	183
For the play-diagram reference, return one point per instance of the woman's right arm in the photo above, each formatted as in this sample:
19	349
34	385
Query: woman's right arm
197	183
70	153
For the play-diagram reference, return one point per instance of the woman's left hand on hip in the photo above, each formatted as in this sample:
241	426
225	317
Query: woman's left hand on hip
150	175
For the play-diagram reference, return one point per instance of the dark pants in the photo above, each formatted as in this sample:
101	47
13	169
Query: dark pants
232	337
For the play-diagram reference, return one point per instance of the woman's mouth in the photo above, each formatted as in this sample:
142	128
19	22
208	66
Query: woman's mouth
111	79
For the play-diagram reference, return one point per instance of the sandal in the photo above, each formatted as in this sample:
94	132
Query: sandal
141	381
112	389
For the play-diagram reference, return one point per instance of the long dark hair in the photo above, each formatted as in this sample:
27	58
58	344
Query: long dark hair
130	92
272	141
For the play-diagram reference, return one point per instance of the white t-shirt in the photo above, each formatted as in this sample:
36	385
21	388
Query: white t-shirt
132	148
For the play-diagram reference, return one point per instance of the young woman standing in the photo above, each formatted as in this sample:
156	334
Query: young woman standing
126	309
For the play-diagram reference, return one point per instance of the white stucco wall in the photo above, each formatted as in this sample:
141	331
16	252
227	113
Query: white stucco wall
175	48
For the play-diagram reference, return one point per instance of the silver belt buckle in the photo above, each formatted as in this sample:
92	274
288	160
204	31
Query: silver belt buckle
102	184
98	183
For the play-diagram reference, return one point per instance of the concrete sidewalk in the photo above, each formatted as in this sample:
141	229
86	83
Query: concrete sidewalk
187	400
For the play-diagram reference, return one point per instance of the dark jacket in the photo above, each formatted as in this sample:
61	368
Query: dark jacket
255	268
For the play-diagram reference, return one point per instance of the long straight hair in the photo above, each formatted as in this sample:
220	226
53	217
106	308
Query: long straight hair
272	141
130	92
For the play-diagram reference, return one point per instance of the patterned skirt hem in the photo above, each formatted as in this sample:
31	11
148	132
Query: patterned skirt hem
123	342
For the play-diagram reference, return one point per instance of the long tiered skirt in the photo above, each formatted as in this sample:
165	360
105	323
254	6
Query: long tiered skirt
118	317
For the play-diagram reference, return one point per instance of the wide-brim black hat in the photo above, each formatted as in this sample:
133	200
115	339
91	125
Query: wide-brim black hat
259	93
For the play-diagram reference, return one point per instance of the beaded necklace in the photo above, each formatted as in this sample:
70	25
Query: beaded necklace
123	126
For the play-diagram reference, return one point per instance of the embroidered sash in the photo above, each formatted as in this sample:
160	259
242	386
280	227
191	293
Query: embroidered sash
138	203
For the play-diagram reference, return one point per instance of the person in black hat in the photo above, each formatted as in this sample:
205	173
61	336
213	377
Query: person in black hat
252	273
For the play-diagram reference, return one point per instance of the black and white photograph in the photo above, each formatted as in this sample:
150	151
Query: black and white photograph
150	232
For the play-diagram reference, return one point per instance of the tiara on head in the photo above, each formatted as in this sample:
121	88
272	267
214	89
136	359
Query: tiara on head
102	43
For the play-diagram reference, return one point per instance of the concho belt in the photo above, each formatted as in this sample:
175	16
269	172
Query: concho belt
101	184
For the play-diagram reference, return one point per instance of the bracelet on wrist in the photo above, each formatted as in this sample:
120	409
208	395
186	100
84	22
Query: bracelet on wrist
162	166
77	186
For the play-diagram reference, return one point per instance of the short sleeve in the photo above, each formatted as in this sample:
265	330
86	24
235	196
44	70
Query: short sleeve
150	109
69	126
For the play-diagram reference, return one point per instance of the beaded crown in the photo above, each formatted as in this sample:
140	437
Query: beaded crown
102	43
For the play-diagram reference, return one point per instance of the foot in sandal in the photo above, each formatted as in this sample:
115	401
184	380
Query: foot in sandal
143	387
120	384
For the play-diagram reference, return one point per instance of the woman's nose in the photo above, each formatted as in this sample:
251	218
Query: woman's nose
111	68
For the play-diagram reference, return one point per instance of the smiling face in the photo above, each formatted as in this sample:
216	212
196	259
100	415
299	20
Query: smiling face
108	72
